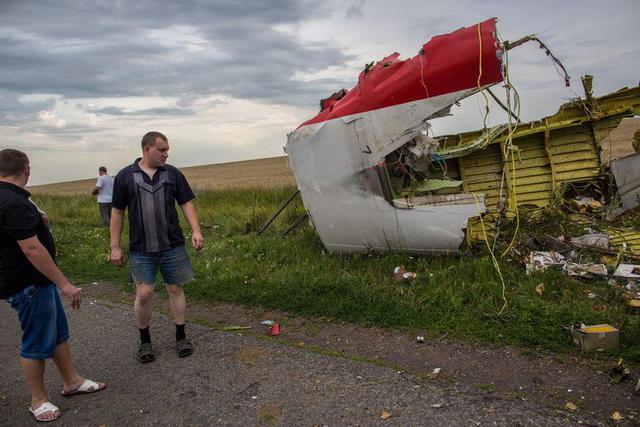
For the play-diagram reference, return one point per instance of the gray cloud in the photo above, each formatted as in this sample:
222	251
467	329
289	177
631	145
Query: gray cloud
104	49
355	10
14	110
115	111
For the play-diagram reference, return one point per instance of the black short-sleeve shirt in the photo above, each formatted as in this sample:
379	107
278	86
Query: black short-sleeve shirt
19	220
153	219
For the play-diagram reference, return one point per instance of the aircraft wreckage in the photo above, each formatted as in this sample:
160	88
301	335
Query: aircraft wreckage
372	179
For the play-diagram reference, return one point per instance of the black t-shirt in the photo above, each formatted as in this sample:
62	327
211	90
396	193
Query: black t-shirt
153	219
19	220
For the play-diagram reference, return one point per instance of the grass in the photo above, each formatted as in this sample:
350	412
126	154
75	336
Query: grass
458	295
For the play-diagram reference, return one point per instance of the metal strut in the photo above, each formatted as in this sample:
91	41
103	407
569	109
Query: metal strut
295	224
275	215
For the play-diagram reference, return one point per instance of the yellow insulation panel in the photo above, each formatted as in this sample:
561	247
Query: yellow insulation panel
629	236
481	173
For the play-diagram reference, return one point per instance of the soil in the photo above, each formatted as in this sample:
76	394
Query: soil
499	372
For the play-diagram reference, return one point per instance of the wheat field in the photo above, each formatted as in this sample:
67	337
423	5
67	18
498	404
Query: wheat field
260	173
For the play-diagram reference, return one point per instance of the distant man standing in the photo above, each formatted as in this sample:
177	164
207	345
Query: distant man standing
28	278
104	190
150	188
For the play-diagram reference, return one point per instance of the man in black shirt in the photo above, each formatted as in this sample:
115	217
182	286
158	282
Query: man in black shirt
150	188
28	278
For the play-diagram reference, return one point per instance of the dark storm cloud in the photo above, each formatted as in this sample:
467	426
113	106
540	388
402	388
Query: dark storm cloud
111	49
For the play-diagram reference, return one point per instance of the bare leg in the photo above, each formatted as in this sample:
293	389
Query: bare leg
62	358
34	372
143	304
177	303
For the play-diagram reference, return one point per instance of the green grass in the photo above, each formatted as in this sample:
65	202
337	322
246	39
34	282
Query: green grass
459	295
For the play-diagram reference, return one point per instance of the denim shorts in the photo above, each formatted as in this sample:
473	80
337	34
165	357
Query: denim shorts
44	324
174	264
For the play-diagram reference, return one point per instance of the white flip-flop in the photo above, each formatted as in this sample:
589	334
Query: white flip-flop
43	409
87	386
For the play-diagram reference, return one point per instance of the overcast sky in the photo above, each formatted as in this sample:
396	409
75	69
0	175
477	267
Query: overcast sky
226	80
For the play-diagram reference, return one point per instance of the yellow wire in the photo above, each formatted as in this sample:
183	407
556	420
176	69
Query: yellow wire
484	232
493	257
486	100
509	140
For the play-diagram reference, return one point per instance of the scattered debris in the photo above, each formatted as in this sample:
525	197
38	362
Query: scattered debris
540	288
571	406
420	339
434	374
586	204
587	271
235	328
632	286
596	240
274	330
267	322
618	372
628	271
538	261
437	405
541	260
402	275
595	337
385	415
638	387
616	416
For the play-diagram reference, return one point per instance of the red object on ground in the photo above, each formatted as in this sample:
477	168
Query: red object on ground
447	63
274	329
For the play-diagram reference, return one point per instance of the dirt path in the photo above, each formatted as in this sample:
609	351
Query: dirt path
315	373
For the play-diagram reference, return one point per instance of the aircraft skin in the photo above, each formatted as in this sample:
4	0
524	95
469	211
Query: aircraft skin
338	156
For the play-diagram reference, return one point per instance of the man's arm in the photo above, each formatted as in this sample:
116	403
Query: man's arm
96	190
189	211
40	258
115	229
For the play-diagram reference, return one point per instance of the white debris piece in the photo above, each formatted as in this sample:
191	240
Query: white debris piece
628	271
538	261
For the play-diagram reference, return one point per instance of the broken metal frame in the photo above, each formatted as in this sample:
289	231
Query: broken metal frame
338	156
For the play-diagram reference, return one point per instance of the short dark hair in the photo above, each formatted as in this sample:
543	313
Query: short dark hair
102	169
150	138
12	162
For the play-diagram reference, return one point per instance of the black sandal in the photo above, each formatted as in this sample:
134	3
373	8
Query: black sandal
184	348
145	353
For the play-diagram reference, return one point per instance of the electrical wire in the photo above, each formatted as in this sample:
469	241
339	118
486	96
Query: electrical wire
493	257
484	232
508	151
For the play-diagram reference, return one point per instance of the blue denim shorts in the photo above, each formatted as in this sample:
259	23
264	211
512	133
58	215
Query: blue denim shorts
44	324
174	264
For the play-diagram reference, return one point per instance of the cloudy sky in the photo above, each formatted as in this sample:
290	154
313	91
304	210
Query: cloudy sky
81	81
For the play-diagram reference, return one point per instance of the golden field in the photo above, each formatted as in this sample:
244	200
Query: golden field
268	172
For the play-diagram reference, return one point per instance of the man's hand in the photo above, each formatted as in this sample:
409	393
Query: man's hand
71	292
197	240
116	257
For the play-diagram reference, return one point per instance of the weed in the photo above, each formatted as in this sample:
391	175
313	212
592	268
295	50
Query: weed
488	388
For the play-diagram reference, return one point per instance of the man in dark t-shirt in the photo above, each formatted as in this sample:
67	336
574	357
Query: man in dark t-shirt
28	279
150	189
